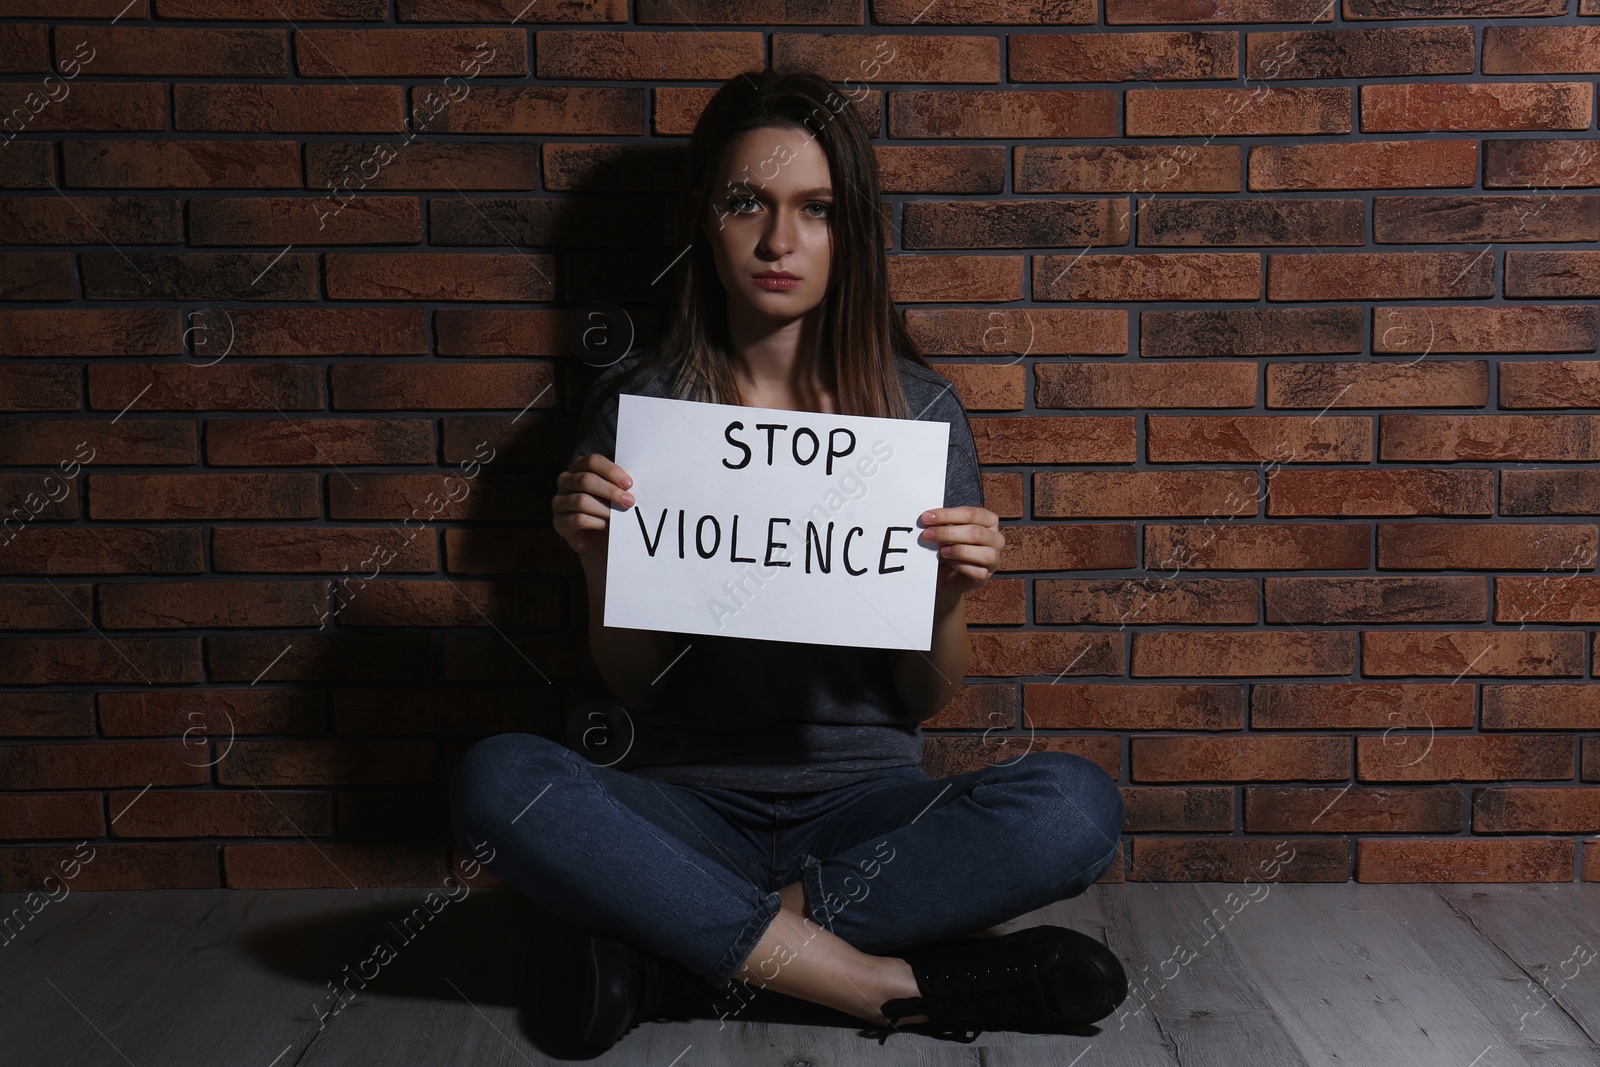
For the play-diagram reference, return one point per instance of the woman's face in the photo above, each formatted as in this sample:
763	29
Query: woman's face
770	208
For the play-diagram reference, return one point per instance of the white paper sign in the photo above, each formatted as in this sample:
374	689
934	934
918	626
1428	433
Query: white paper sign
773	524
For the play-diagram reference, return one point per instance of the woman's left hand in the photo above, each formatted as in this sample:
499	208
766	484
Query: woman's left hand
969	541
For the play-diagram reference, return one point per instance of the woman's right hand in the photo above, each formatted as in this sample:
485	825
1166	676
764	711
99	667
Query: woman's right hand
582	504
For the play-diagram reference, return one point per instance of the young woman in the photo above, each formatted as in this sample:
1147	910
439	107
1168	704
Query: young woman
770	825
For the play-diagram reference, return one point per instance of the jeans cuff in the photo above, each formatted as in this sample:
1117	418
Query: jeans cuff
749	935
816	896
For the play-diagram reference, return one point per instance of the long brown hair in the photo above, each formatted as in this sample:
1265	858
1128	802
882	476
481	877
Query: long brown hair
859	326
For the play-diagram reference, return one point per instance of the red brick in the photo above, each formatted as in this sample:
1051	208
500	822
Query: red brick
439	276
220	813
322	549
1541	164
89	866
41	815
97	660
171	605
1431	164
29	165
165	52
252	658
341	168
1250	332
1262	110
1233	653
1541	706
105	550
51	442
98	220
1298	809
1463	860
1531	810
1258	438
318	441
1376	53
46	606
1123	12
1177	809
183	164
26	49
46	714
45	388
1487	545
198	276
1238	860
196	387
532	109
430	604
508	11
1461	219
1139	494
499	332
1450	9
1114	57
202	715
298	10
1359	705
1019	332
443	496
1172	276
368	387
1226	545
1012	114
1059	705
1124	168
1428	331
289	108
101	765
919	58
36	276
329	331
110	106
1144	385
645	56
1415	491
205	496
1420	107
1378	275
1011	224
366	53
1325	601
1431	383
1550	384
1562	438
1461	653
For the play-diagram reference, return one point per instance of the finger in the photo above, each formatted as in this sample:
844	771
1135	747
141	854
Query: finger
597	485
966	534
605	467
582	504
979	554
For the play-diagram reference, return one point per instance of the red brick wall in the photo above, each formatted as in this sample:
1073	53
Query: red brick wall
1276	320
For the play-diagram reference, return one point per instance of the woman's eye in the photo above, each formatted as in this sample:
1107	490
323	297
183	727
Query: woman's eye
827	209
737	202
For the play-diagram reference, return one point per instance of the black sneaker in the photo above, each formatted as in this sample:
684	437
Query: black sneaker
624	986
1040	979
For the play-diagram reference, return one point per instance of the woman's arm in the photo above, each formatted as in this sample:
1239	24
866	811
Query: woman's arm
630	660
927	681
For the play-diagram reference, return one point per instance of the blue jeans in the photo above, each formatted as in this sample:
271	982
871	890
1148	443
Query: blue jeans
692	874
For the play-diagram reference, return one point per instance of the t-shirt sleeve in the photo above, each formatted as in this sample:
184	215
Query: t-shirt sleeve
963	481
601	434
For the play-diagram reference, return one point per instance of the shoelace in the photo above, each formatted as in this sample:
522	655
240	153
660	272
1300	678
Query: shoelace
960	1004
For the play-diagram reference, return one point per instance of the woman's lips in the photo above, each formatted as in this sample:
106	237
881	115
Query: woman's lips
776	285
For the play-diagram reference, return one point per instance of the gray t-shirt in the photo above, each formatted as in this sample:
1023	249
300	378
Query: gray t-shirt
784	716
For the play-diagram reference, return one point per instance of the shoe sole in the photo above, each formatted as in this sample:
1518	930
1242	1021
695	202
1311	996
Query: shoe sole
1090	979
602	1025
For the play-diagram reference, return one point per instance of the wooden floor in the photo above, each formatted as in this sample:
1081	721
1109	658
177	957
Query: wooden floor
1408	976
